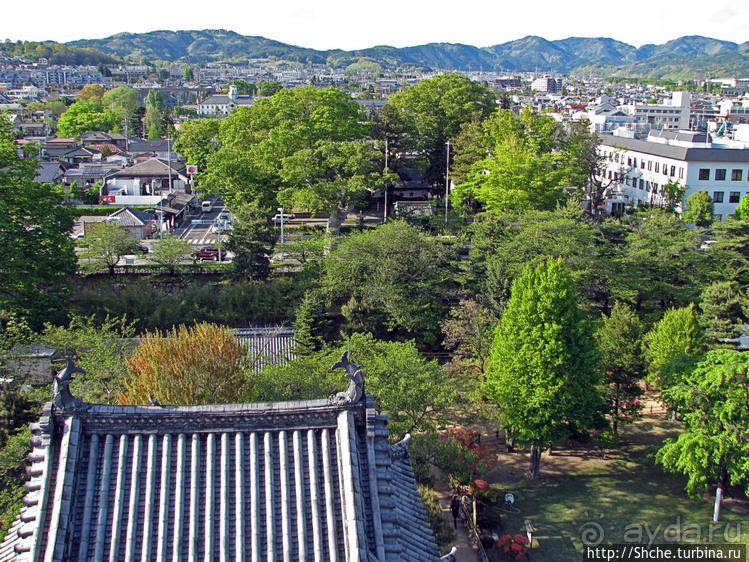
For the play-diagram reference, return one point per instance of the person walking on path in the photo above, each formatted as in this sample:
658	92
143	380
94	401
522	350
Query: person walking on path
455	509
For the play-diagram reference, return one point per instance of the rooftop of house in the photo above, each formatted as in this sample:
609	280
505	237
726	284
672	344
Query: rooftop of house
312	479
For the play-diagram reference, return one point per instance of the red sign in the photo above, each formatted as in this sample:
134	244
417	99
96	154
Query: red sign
106	198
192	169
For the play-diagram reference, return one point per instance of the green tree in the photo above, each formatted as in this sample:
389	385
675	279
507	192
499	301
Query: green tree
673	194
169	251
38	260
310	145
425	116
123	100
661	265
503	244
399	273
543	372
153	122
84	116
622	363
312	326
742	211
699	209
267	89
415	392
100	348
188	73
104	245
722	306
673	346
251	240
197	140
713	447
524	165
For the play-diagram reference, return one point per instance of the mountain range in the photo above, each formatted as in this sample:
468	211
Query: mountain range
685	57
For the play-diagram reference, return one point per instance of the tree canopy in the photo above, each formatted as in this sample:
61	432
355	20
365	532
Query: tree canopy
395	273
713	447
543	372
524	163
425	116
38	260
87	115
304	148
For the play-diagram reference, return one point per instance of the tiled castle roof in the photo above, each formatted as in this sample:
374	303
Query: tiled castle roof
303	480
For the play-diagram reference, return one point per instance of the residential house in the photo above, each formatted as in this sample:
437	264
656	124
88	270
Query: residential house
145	183
138	224
301	480
100	137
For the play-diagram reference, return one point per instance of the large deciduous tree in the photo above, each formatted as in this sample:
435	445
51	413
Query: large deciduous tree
38	259
425	116
526	163
543	373
84	116
397	274
310	145
197	140
673	346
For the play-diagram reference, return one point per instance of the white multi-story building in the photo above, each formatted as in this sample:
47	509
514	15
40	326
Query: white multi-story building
223	105
673	115
638	169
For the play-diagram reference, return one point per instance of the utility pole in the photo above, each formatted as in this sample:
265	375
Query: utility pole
447	180
385	218
281	211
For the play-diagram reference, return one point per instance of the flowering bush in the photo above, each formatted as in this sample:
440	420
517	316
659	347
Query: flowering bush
513	547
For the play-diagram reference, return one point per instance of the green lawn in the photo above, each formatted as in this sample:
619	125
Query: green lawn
621	499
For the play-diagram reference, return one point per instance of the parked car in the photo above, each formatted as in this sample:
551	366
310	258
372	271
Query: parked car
141	248
206	253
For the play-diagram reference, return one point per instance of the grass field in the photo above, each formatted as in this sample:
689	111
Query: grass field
624	498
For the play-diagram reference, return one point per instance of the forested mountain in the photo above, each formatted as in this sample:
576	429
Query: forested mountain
690	56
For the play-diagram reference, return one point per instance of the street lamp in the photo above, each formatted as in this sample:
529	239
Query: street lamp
280	210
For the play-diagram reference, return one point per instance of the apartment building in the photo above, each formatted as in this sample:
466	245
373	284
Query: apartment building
671	115
639	168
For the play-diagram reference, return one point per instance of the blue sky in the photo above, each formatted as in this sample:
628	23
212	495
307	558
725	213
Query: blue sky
344	24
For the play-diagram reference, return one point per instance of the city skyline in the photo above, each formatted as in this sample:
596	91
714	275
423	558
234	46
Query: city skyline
334	24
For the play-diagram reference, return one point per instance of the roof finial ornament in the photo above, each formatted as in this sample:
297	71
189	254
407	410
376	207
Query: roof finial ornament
355	389
399	451
62	397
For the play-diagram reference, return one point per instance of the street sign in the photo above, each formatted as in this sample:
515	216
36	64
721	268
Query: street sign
192	169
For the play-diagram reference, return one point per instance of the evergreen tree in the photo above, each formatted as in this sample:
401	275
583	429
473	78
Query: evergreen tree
722	307
312	325
622	363
543	372
251	240
713	446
